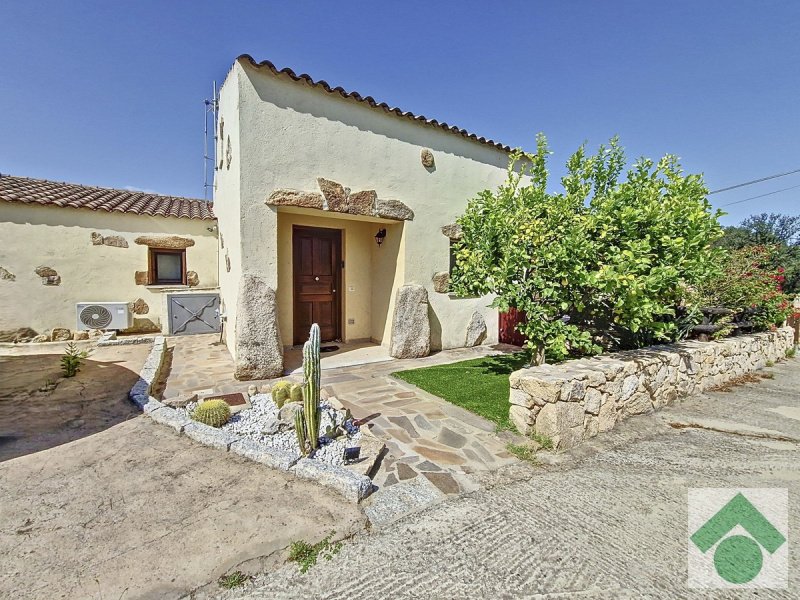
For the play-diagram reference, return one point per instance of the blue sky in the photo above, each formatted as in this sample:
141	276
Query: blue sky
111	93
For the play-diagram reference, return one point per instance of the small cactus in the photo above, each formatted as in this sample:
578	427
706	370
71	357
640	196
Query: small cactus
296	393
214	412
280	393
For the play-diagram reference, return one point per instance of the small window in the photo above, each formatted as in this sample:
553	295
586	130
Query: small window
167	267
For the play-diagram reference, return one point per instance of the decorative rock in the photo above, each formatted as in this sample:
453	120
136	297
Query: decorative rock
80	335
7	275
180	401
40	338
476	330
265	388
411	329
271	427
97	239
115	241
441	282
192	279
453	231
60	334
140	307
335	194
287	413
259	349
169	242
144	326
141	278
393	209
426	156
22	334
362	203
45	272
283	197
252	390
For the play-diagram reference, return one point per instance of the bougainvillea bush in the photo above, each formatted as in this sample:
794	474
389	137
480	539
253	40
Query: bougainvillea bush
751	283
602	263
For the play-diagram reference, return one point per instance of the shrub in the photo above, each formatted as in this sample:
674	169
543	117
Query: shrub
214	412
751	283
72	360
602	263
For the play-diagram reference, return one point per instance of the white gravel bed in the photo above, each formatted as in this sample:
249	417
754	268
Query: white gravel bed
254	422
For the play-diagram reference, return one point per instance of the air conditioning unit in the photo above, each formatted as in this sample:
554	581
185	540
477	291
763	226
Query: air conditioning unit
104	315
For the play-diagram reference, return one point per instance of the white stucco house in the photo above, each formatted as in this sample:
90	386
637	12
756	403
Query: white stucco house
328	207
335	209
66	244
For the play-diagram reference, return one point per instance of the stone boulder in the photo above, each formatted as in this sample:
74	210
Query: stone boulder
393	209
61	334
286	197
441	282
335	194
80	335
259	350
476	330
426	156
22	334
411	327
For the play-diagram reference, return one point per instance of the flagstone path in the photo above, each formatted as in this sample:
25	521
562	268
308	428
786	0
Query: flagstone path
431	443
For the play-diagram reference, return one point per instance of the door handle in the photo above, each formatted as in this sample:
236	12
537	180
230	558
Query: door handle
316	278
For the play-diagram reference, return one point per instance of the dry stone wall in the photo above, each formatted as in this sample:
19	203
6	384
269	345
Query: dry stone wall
576	400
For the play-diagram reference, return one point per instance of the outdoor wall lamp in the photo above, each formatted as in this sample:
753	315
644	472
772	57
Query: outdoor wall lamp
379	236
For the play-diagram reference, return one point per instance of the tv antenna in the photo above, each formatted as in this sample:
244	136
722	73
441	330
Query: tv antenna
211	107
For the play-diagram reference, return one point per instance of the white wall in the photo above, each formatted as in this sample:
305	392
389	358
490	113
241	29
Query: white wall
60	238
227	206
291	133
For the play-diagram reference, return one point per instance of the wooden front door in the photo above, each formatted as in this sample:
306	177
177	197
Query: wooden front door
317	256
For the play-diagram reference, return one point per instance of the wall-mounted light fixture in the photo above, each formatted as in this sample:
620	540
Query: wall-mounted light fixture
379	236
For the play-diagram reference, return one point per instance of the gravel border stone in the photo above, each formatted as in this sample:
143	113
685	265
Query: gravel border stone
351	485
261	453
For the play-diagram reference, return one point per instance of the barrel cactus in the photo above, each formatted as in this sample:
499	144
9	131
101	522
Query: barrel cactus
214	412
281	393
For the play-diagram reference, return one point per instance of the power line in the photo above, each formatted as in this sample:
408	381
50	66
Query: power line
761	196
733	187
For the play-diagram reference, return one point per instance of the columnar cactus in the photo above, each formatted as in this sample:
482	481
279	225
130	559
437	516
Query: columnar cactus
311	371
299	428
308	430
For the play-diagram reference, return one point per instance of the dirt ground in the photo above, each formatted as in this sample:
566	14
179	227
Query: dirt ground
129	509
39	408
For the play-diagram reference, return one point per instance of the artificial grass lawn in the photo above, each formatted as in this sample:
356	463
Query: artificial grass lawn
480	385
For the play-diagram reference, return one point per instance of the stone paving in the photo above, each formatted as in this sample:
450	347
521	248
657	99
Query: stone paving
427	438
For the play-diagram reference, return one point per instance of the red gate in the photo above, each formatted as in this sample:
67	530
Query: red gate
508	322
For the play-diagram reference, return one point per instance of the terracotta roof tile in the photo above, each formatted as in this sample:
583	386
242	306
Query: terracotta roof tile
42	191
370	101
